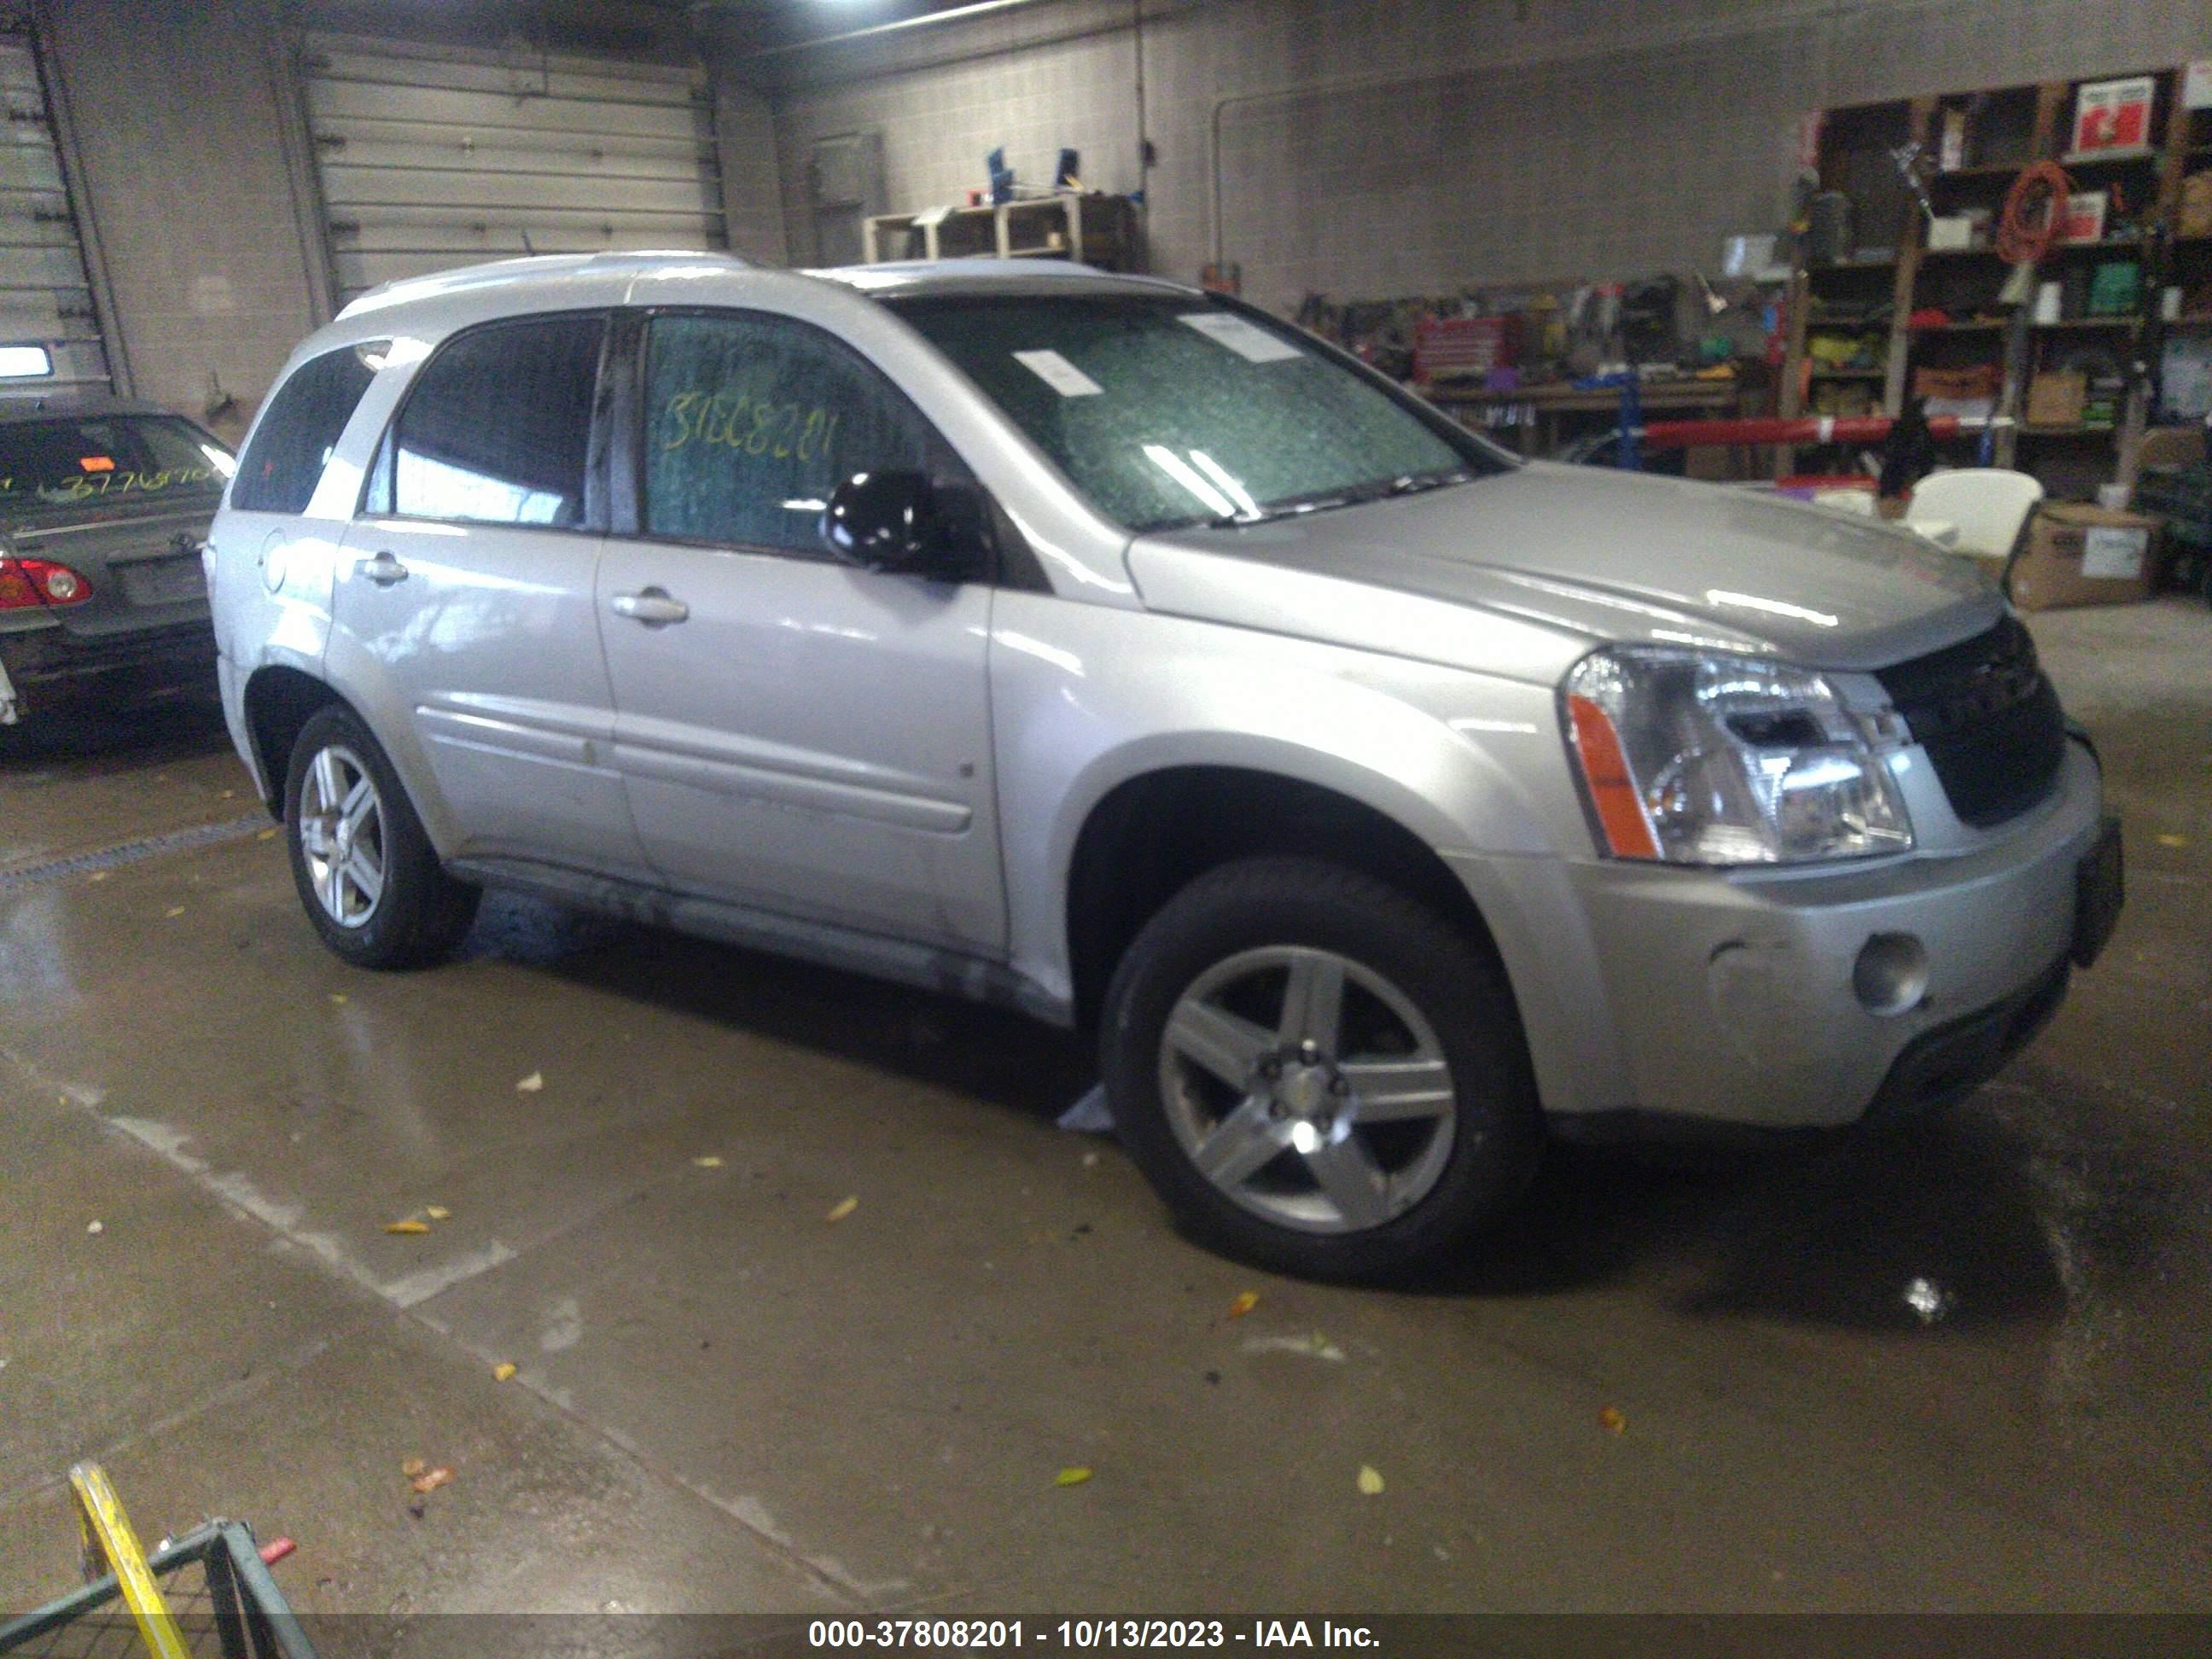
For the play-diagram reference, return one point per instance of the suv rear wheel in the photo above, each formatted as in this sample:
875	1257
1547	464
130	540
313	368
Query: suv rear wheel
1318	1074
367	873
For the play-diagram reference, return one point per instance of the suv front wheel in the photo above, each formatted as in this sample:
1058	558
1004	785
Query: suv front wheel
367	875
1318	1074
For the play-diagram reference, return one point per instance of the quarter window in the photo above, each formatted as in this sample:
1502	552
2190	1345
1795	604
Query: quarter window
282	465
751	421
498	426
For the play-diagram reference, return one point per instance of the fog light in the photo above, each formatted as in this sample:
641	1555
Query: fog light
1891	975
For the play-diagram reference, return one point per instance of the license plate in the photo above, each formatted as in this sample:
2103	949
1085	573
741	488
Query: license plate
2099	891
164	582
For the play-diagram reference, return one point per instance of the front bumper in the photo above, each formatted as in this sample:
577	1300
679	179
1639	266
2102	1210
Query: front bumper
1726	999
45	671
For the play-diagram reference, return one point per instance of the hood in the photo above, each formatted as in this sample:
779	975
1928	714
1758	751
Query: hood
1604	555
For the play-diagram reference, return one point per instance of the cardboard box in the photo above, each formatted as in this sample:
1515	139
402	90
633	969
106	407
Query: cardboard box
2196	205
2084	218
2111	115
2056	399
1948	233
2080	555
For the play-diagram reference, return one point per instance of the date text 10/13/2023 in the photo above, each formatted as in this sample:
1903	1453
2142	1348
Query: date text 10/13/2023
1087	1635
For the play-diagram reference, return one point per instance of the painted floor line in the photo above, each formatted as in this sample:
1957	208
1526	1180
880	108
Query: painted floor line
406	1295
131	851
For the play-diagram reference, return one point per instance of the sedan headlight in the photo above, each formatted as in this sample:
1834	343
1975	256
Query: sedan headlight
1697	759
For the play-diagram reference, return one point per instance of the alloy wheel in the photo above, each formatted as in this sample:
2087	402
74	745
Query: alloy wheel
342	835
1309	1089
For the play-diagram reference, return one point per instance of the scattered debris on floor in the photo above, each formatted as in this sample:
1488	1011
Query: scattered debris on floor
1090	1116
708	1162
1313	1347
412	1467
1614	1421
1090	1160
530	1084
97	875
1928	1299
2173	841
1371	1480
504	1371
1074	1476
437	1212
266	835
431	1478
174	911
1245	1302
95	1227
337	999
843	1207
410	1227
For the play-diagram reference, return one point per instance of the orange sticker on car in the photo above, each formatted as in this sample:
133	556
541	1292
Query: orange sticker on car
98	464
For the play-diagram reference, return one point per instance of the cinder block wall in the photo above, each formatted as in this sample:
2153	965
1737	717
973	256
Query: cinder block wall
186	183
1378	147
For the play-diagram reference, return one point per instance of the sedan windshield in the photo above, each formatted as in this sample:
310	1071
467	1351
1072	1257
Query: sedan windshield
84	460
1169	410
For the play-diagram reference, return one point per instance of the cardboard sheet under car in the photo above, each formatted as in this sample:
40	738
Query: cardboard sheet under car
2081	555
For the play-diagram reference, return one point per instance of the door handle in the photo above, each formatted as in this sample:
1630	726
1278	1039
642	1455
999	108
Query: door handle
653	607
384	570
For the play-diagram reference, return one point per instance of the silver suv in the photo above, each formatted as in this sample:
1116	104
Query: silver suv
1109	650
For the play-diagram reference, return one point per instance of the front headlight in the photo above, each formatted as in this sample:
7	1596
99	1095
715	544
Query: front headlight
1697	759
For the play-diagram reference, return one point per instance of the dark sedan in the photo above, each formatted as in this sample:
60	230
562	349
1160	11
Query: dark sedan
103	602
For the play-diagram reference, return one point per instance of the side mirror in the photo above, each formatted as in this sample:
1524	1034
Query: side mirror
884	521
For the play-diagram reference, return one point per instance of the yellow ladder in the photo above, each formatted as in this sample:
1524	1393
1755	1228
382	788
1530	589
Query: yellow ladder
110	1546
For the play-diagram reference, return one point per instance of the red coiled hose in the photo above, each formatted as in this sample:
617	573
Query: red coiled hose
2034	208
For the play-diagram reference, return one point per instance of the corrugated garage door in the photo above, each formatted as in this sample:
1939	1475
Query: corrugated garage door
430	158
45	298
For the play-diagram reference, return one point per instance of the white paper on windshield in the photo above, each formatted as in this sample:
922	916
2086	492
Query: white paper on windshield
1056	372
1254	345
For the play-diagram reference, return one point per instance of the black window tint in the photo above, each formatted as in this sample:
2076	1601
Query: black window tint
751	421
497	426
281	467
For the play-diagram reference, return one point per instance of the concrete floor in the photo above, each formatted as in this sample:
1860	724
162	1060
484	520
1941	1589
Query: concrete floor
726	1401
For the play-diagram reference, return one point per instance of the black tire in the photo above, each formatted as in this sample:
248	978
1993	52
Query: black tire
1458	989
420	913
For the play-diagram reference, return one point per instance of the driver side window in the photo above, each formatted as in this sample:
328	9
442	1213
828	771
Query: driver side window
752	420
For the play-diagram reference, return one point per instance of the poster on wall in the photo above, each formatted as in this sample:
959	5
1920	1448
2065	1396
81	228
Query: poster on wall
2112	115
2196	85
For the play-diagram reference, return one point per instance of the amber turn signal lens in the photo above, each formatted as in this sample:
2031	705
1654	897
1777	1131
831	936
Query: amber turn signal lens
1613	791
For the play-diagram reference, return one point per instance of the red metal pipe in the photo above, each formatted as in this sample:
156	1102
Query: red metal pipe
1805	429
276	1550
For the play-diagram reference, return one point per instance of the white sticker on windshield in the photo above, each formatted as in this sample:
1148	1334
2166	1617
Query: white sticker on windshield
1254	345
1056	372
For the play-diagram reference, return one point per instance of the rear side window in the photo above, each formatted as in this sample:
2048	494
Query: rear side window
283	465
498	426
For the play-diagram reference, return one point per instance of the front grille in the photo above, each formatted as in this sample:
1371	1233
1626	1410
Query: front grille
1989	720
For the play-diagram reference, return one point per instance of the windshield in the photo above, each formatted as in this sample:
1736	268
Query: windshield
78	459
1169	410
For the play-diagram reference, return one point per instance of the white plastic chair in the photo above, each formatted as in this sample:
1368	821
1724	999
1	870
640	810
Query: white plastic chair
1982	507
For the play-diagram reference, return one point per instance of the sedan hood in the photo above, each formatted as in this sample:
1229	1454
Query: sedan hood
1605	555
